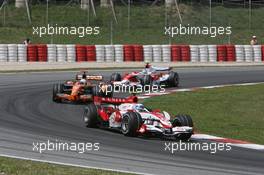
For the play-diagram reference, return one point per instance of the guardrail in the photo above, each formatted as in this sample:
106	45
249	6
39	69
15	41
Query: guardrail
136	53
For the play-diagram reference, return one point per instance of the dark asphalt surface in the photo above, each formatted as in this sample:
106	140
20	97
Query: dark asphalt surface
27	115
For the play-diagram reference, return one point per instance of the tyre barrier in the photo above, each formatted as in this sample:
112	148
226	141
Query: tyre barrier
175	53
61	53
230	53
156	53
221	53
120	53
71	52
212	53
42	52
148	53
52	52
166	53
22	53
185	53
90	53
257	53
32	53
12	53
109	53
3	53
35	53
203	51
240	53
138	53
262	50
194	49
80	53
128	53
248	53
100	53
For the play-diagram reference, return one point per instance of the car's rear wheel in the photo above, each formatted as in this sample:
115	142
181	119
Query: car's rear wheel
115	77
183	120
131	123
90	116
173	80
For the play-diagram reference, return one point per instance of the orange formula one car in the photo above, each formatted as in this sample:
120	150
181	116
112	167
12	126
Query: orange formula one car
80	90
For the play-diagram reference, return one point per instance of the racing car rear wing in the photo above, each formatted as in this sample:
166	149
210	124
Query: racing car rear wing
161	68
90	77
100	100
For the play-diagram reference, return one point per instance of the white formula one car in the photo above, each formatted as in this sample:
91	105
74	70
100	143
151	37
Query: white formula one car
133	119
149	76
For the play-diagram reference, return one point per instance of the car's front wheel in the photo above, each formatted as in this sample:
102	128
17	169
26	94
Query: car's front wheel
147	80
131	123
105	90
57	88
183	120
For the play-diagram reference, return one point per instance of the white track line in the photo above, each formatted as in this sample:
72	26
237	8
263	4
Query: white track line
233	142
69	164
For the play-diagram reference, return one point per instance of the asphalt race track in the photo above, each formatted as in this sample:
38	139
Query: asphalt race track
27	115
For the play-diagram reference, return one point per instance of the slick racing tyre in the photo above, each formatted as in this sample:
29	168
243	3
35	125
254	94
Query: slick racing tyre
90	116
57	89
173	80
115	77
96	91
147	80
101	92
183	120
131	123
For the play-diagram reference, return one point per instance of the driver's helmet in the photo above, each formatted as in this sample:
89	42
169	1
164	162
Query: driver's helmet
84	75
83	81
147	66
139	107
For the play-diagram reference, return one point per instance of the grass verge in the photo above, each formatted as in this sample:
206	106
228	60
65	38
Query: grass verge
12	166
233	112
